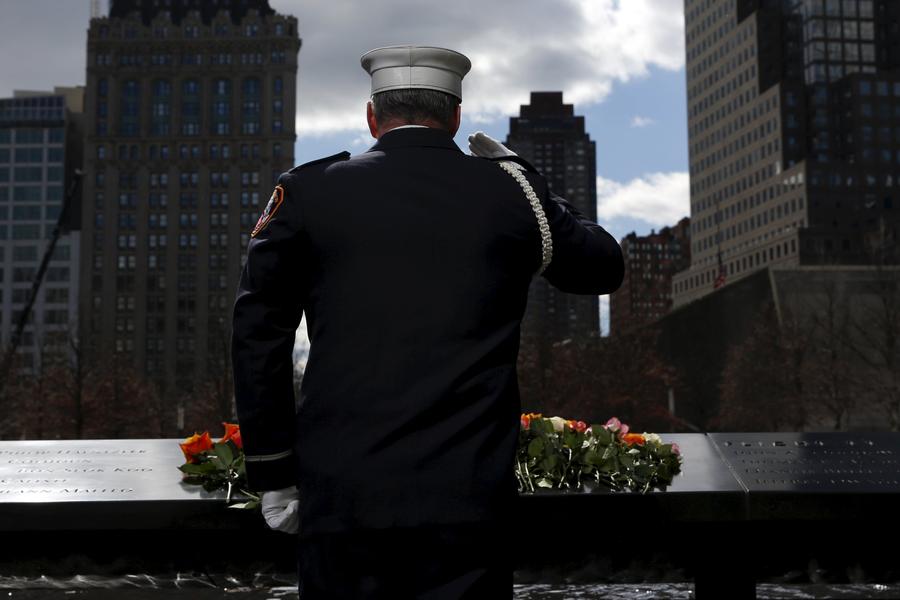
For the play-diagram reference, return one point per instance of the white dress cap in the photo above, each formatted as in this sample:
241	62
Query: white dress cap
399	67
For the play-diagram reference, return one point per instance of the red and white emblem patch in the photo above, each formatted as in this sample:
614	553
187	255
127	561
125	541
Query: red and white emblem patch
270	210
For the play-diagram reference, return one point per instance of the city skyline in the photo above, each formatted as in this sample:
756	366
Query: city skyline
623	72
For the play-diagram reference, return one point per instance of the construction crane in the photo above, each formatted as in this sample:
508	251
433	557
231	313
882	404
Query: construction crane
62	221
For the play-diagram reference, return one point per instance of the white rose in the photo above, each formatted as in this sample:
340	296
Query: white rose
558	423
652	437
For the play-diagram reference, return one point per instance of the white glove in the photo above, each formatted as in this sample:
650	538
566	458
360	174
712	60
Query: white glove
280	507
483	145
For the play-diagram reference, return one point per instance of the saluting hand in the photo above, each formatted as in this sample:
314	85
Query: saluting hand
280	507
483	145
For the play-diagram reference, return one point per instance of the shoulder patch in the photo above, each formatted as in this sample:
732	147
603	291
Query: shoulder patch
272	207
333	158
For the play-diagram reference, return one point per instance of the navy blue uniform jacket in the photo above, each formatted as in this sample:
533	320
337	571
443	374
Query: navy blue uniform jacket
412	262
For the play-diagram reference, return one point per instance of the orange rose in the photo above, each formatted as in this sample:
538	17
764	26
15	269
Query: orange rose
526	419
633	438
195	445
233	433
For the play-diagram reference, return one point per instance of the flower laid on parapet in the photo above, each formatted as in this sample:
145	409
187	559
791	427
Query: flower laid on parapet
565	454
218	465
553	453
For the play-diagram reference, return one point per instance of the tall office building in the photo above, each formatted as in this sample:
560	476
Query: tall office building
190	119
650	262
41	137
549	135
794	136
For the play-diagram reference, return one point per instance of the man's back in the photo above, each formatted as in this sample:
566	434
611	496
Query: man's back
417	263
412	263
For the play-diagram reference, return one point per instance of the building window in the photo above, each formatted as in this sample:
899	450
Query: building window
250	107
221	107
161	107
129	119
190	107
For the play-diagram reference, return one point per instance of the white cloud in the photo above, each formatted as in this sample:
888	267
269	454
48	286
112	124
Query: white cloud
659	199
639	121
582	47
363	140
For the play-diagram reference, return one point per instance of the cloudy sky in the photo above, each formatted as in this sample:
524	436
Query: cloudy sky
620	62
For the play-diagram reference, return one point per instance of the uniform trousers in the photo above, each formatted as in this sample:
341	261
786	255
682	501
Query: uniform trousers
427	562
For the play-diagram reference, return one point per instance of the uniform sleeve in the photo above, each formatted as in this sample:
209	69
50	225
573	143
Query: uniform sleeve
586	258
267	312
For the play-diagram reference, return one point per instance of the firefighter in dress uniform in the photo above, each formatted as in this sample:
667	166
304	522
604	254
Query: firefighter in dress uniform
412	263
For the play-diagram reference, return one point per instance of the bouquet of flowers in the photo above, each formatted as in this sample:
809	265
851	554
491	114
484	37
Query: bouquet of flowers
553	453
218	465
567	454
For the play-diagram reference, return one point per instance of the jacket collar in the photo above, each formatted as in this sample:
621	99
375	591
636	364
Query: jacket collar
415	136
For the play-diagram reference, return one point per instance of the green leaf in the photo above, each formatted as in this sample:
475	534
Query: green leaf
223	451
542	426
536	447
602	434
198	469
211	485
549	463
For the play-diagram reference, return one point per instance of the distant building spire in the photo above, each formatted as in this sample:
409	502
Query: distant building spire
95	9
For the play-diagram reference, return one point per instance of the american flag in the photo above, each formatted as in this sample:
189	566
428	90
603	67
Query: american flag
720	278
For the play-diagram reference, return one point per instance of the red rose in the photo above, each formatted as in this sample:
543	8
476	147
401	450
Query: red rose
233	433
196	444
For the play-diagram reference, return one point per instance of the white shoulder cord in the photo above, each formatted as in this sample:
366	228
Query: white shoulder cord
546	239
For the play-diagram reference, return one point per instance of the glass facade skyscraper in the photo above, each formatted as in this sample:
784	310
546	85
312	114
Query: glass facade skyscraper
41	136
794	136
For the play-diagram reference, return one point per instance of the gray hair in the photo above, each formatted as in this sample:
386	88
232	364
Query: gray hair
414	105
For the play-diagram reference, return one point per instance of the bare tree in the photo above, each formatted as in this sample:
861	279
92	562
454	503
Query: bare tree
762	382
219	384
595	379
875	340
831	375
